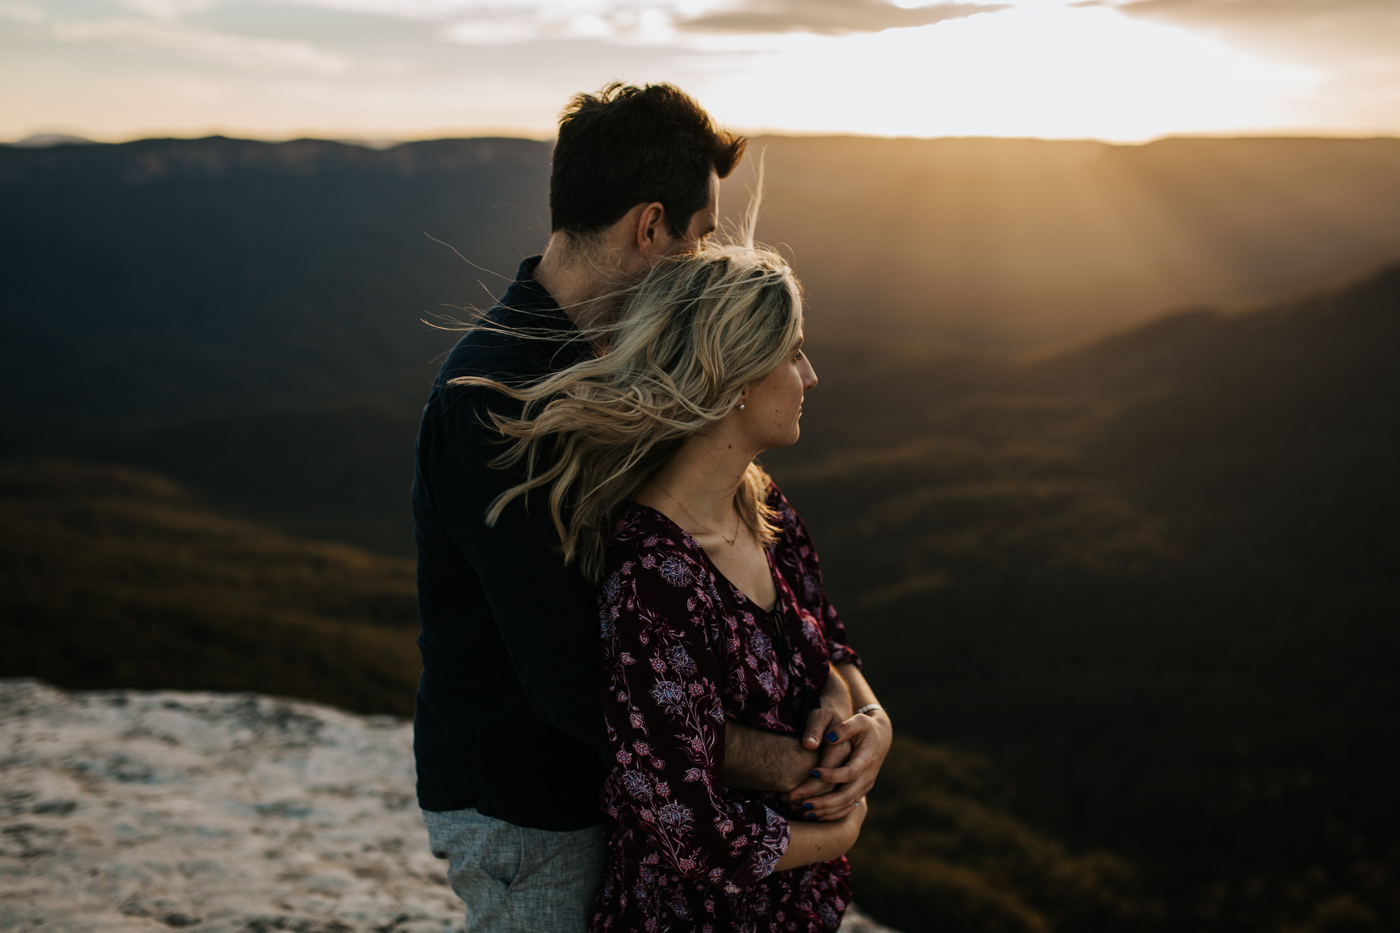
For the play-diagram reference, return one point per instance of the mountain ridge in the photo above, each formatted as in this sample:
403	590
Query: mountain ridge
1151	576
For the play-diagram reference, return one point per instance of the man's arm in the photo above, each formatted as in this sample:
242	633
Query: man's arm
755	760
764	761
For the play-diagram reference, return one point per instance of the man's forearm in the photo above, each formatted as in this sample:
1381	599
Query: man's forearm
765	761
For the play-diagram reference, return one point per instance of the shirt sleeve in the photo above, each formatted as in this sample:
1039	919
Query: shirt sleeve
806	571
546	612
665	720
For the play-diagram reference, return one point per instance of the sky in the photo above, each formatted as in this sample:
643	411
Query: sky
1118	70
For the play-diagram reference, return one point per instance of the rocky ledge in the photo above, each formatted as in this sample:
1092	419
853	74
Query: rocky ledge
124	810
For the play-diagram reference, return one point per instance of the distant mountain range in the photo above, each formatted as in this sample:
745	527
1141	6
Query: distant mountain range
168	279
113	576
1144	562
47	140
987	244
249	316
996	244
1156	578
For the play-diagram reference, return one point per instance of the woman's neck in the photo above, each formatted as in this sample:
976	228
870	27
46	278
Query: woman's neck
701	479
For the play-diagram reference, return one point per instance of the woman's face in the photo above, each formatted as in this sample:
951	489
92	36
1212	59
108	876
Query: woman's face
773	405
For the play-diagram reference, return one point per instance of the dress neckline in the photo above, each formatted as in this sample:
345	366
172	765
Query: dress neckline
690	539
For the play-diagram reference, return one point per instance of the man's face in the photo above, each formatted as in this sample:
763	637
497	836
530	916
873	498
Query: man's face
702	223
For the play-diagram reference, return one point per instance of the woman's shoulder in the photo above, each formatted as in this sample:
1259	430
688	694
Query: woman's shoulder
652	564
789	524
793	550
644	537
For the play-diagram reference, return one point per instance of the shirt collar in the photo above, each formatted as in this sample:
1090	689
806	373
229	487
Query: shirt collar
527	294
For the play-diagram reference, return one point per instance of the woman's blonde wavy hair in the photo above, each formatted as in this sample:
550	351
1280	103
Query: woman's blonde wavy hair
687	340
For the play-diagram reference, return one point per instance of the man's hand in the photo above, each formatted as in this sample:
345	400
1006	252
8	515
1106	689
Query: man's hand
835	708
837	748
868	735
832	756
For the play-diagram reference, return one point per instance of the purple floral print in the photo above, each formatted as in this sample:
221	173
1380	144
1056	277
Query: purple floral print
683	652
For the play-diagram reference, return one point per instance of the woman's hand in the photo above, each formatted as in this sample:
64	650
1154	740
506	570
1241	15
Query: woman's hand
853	819
869	736
831	757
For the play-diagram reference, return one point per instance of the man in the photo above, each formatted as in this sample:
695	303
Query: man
508	730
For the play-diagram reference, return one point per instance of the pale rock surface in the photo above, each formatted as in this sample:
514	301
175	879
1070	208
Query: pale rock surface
221	813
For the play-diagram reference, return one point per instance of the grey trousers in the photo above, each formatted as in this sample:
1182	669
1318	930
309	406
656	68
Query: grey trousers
514	879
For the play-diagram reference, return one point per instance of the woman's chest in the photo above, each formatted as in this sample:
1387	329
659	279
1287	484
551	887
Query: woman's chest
748	569
774	664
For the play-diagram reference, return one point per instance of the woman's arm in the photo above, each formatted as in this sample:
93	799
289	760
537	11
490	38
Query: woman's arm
662	703
820	842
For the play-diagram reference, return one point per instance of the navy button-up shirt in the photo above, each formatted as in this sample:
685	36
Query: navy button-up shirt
508	719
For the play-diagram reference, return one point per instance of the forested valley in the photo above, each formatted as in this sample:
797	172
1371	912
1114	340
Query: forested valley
1101	466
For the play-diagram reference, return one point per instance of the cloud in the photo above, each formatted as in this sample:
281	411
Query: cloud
398	9
248	53
1257	10
167	10
828	17
645	22
1353	44
611	21
20	12
1311	29
544	16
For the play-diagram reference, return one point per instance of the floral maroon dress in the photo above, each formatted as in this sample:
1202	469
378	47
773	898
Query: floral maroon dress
684	650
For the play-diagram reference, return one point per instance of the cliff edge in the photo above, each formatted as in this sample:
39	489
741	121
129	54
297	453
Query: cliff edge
126	810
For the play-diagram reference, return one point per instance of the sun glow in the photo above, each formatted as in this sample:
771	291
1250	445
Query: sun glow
114	69
1037	70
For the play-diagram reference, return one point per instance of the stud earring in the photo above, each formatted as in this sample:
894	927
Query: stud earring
741	406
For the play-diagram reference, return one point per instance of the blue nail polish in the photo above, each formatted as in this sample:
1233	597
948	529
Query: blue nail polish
817	774
831	737
808	806
811	816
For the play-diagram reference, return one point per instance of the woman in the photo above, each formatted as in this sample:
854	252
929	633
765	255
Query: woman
711	602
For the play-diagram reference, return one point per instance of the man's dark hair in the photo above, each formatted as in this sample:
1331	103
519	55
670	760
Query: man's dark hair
626	146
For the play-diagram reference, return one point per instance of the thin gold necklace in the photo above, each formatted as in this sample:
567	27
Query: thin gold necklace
728	541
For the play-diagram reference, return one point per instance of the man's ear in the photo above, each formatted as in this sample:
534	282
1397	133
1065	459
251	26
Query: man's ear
653	236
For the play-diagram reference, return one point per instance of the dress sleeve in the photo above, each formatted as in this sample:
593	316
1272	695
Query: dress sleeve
662	706
800	559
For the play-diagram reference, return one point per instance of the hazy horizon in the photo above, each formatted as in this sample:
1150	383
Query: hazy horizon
1114	70
56	137
1100	466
